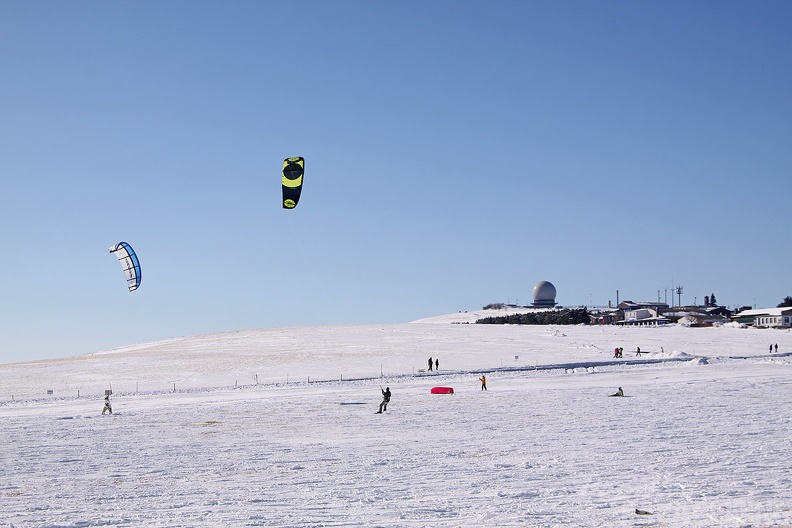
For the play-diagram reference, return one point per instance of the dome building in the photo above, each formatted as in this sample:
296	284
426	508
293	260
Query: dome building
544	294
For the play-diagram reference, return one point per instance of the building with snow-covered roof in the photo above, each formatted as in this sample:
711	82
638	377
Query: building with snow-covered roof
630	305
697	315
766	317
642	317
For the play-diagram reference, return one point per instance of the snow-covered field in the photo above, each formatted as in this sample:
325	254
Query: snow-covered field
277	427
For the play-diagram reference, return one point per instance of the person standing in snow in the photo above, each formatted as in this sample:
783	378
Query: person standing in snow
776	348
483	380
386	394
437	363
107	407
430	363
771	349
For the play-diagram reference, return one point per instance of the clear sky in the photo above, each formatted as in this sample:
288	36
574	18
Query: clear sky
457	153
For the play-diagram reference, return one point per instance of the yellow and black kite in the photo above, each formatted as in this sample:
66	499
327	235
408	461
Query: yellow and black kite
293	169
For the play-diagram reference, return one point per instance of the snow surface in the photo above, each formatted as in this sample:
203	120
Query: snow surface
277	427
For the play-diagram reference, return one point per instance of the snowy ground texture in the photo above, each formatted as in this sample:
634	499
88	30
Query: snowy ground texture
703	438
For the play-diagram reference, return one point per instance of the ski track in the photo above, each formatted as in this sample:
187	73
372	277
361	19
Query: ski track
700	441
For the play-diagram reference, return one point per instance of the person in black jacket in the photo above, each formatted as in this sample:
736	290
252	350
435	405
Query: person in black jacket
386	394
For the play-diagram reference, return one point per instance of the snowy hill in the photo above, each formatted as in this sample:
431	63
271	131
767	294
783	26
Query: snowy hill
276	427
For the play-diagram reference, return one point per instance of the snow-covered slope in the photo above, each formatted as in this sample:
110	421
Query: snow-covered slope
701	440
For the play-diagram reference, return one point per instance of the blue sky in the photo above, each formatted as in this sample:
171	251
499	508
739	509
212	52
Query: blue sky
456	152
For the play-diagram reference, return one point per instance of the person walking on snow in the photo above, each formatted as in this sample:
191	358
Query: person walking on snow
430	363
386	394
107	407
483	380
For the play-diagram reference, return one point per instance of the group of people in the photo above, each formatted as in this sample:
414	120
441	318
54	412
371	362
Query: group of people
386	394
435	363
776	348
618	352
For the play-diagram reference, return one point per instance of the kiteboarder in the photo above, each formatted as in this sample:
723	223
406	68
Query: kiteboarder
619	392
107	407
483	380
386	394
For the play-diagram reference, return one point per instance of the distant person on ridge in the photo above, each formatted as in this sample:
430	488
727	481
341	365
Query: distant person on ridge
619	392
483	380
386	394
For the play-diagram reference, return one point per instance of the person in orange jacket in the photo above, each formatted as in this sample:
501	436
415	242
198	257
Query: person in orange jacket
483	380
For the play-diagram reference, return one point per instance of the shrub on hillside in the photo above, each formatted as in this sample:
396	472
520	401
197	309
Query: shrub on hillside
566	316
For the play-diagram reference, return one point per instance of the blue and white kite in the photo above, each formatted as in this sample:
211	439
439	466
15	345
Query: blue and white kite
129	263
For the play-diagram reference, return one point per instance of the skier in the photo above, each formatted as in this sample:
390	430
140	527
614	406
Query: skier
386	394
107	407
483	380
430	363
619	392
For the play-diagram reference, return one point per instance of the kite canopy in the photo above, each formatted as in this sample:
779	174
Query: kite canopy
129	263
292	180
